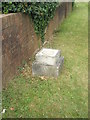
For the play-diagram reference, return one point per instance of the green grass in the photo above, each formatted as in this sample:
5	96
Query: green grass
66	96
0	104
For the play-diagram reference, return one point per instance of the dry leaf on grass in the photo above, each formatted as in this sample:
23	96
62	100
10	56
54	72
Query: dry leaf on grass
43	78
12	108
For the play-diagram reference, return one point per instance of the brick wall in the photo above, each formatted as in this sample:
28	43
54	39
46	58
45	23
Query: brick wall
19	40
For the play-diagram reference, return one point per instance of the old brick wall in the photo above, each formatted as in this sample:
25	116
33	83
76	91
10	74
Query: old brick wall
18	43
59	17
19	40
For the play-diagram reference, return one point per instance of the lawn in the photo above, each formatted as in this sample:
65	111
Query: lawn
66	96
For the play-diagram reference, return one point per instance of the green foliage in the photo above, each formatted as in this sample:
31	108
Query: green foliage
73	2
40	12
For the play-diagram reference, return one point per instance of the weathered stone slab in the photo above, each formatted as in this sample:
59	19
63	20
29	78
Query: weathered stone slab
40	69
48	56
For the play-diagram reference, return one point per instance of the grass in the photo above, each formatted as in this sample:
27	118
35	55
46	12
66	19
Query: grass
0	105
66	96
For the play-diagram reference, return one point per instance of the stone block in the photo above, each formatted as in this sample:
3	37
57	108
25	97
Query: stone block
42	69
48	56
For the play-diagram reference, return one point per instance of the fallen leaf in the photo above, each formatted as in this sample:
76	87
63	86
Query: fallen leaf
12	108
43	78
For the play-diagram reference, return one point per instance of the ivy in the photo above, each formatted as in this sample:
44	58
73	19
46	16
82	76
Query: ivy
40	12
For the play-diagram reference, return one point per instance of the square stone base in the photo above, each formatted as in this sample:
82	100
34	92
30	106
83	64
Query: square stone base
40	69
48	56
